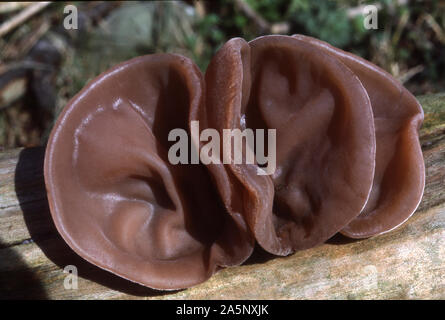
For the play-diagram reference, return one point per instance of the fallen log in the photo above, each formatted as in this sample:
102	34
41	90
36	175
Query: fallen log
407	263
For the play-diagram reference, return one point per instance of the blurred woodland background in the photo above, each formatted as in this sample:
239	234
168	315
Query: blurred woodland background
43	65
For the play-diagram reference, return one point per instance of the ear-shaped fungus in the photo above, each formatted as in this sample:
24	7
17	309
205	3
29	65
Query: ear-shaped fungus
399	178
348	159
324	131
114	196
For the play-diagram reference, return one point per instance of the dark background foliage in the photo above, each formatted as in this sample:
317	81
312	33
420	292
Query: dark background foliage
42	65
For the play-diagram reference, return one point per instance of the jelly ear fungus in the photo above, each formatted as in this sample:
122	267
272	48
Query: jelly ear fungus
399	178
325	139
114	196
348	159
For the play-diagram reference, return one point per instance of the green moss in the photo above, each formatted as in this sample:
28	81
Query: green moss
434	108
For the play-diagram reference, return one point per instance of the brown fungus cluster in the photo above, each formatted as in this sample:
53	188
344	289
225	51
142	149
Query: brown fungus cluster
348	159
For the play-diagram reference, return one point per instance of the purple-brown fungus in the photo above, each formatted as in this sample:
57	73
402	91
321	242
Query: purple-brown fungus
114	196
347	159
399	177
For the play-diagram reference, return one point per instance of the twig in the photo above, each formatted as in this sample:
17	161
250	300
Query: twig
12	91
12	6
403	21
359	10
24	45
262	24
21	17
436	27
410	73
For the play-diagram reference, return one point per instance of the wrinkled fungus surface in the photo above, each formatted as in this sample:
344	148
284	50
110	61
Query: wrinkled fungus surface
399	177
348	159
325	137
114	196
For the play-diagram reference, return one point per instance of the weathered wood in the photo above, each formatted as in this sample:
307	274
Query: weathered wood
408	262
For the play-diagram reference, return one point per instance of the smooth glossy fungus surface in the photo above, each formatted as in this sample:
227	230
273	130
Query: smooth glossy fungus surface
348	159
114	196
325	138
399	178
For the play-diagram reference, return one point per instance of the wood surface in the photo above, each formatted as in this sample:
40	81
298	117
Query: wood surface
407	263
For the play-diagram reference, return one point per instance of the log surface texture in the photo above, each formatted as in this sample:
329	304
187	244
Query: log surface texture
407	263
